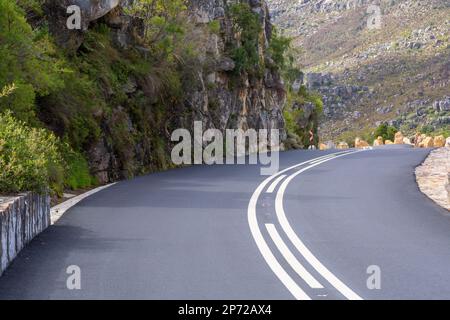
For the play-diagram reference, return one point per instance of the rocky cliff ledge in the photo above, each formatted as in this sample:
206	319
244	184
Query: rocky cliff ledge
251	101
131	133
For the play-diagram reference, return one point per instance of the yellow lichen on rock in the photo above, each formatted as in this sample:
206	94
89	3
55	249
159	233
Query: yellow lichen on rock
378	142
439	141
419	139
428	142
359	143
343	145
399	138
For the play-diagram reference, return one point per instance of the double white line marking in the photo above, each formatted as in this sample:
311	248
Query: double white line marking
265	250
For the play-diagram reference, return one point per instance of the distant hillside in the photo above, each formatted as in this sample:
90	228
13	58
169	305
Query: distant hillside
398	73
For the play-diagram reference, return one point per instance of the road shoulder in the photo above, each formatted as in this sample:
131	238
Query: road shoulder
433	177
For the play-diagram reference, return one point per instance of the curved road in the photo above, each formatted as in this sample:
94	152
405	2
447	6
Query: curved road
225	232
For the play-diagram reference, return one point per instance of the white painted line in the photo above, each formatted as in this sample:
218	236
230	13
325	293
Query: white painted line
326	158
58	211
267	254
291	259
274	185
306	253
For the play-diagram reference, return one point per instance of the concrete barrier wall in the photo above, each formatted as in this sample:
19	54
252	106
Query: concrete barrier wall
21	219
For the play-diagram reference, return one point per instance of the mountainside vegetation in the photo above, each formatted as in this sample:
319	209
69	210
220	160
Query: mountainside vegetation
90	106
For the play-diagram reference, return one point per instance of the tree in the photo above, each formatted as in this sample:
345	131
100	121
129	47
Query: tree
246	23
26	60
163	23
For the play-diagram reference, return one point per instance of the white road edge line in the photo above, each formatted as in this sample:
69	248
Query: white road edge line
264	249
274	185
291	259
58	211
306	253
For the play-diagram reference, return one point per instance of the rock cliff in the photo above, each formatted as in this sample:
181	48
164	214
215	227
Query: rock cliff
132	130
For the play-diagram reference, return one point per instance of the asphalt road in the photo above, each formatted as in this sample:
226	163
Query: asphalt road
225	232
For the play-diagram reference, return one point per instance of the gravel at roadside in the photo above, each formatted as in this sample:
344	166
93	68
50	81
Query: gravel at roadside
433	177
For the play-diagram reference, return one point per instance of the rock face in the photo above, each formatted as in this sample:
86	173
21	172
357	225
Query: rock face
21	219
91	10
337	97
257	101
216	95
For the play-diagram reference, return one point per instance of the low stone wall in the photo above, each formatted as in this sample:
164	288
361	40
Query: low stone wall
433	177
21	219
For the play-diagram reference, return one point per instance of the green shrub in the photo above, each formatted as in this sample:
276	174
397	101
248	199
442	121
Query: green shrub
385	131
26	60
214	26
295	116
279	48
29	158
246	23
77	174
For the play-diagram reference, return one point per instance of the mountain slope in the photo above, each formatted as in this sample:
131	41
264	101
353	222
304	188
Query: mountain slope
398	73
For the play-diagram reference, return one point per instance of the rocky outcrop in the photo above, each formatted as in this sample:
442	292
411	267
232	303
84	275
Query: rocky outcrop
323	146
338	99
433	114
378	142
91	10
360	144
439	142
399	138
21	219
255	102
407	141
427	142
213	93
343	146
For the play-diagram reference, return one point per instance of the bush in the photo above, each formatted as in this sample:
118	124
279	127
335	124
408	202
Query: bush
294	116
385	131
26	60
29	158
214	26
279	51
246	23
77	175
